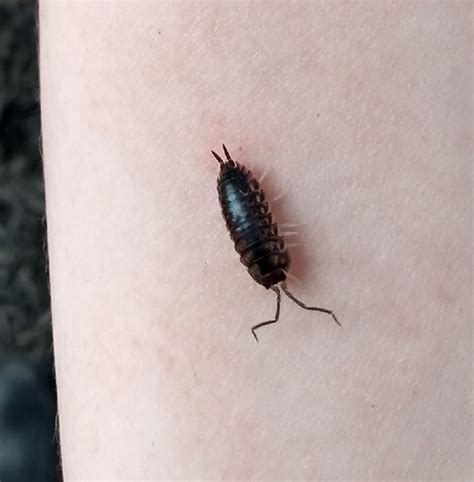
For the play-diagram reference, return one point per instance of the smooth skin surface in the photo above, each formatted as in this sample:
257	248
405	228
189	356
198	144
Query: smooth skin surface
361	114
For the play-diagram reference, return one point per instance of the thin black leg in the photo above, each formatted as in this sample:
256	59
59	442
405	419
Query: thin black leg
277	313
312	308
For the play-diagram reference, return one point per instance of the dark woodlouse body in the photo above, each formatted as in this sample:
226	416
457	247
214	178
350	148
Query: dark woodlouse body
249	221
255	235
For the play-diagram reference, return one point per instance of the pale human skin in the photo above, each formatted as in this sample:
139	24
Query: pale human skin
360	114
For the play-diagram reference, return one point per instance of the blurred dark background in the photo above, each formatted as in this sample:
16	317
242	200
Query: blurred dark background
28	441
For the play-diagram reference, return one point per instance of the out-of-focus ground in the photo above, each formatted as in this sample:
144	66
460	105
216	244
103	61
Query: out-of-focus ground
28	445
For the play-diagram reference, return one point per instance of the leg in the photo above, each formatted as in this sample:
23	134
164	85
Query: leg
277	313
263	176
277	198
313	308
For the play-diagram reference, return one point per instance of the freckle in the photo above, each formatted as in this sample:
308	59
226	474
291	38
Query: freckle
445	295
135	342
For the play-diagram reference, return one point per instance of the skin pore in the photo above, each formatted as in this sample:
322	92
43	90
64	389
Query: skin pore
358	112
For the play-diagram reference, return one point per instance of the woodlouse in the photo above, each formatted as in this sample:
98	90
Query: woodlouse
256	237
